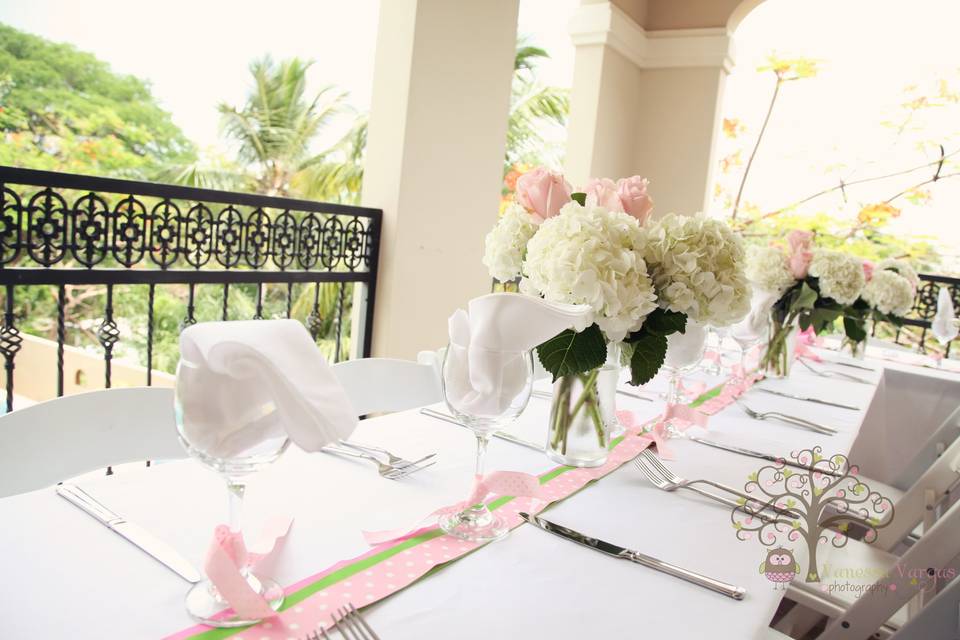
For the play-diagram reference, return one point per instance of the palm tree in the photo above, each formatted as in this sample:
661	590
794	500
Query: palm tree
538	113
278	123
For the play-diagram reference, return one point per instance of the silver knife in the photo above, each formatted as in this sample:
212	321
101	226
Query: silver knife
729	590
784	394
853	366
634	394
160	550
757	454
439	415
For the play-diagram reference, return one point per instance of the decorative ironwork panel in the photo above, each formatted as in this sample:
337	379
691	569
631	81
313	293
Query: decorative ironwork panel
62	230
47	227
11	213
88	233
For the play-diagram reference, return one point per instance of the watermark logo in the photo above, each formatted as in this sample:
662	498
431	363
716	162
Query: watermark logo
827	503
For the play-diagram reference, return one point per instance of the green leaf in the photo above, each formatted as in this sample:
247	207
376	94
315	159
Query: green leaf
569	353
580	198
663	322
854	329
805	299
821	318
649	351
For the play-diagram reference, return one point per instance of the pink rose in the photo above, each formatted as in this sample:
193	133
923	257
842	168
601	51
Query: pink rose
634	197
868	268
801	252
602	192
542	193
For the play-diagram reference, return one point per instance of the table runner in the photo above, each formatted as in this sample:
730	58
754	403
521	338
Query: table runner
394	565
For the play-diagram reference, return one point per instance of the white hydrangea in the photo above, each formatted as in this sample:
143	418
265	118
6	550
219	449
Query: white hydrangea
768	269
506	243
589	255
841	275
903	267
697	266
889	292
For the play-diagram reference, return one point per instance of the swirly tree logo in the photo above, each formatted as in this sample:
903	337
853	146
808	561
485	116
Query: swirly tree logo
822	501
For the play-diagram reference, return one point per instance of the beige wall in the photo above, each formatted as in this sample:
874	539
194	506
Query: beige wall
679	116
434	161
35	374
604	121
648	84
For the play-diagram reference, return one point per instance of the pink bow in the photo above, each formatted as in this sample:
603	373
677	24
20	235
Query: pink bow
693	389
501	483
228	556
802	343
678	416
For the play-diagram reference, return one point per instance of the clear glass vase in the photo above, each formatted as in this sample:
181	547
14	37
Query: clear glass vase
577	435
780	347
857	350
607	382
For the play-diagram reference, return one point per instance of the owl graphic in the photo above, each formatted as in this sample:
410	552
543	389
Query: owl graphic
779	567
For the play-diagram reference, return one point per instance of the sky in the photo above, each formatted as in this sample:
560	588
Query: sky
868	51
195	53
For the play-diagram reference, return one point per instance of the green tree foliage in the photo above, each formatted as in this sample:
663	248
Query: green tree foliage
62	109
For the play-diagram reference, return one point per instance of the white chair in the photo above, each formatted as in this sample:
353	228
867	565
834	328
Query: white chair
59	439
882	606
380	385
919	505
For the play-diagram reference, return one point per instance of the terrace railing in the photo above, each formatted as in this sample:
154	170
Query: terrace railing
125	238
916	330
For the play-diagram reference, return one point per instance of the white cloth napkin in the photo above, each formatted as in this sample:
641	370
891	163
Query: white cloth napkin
486	369
243	383
944	325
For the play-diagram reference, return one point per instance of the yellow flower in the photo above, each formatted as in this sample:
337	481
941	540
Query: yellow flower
877	214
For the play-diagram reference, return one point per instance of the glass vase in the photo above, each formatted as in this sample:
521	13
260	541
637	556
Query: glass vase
577	435
856	350
607	382
780	347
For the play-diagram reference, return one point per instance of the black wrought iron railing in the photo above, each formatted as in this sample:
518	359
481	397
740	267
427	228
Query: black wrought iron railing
916	330
119	239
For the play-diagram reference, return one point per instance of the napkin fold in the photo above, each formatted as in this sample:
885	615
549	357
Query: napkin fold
754	324
243	383
944	324
486	368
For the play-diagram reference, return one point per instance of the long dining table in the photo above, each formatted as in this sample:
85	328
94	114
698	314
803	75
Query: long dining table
70	577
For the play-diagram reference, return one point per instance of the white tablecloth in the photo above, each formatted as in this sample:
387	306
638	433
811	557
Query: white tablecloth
68	577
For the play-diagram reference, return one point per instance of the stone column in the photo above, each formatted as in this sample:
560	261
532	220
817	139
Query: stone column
434	162
647	101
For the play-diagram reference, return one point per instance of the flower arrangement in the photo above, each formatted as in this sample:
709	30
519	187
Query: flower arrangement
642	278
816	287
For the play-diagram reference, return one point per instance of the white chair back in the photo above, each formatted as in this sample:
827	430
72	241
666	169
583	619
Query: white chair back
931	488
378	385
938	550
59	439
938	619
941	439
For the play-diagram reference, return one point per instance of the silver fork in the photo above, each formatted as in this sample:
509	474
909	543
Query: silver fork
387	471
665	479
392	460
798	422
826	373
351	625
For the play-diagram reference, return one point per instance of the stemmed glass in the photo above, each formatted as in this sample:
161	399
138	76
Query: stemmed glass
746	337
684	352
715	367
486	390
252	441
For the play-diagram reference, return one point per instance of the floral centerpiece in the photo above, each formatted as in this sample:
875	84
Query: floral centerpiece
643	279
813	288
887	296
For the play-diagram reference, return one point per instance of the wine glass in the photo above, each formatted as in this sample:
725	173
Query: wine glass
746	336
234	439
715	367
485	389
684	352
